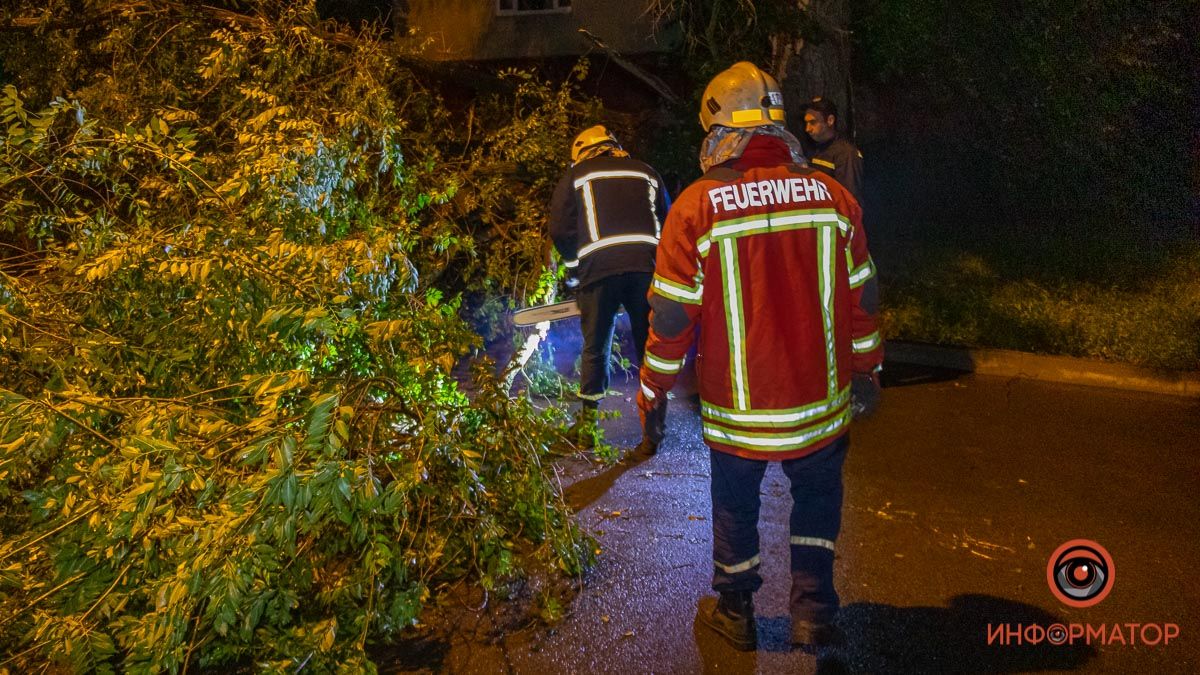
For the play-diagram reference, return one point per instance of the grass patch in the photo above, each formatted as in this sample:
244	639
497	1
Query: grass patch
1112	296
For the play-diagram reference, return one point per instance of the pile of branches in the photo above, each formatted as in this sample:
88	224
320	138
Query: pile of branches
234	248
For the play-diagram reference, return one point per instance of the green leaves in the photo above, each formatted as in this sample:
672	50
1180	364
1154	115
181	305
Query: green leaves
1043	121
228	428
320	426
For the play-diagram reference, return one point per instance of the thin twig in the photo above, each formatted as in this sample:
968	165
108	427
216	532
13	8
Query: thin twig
14	657
81	425
43	596
105	594
53	532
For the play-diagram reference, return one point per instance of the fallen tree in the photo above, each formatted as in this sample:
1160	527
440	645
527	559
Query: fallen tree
234	251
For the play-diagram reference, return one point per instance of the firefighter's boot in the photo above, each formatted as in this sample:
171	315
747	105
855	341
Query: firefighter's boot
654	428
732	617
816	634
583	432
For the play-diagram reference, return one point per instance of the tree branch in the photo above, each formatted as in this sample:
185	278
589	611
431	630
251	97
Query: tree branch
649	78
33	23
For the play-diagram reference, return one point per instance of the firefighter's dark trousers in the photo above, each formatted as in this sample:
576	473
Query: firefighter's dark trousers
598	306
816	519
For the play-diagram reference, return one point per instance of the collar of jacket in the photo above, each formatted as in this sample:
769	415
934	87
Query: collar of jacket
762	150
822	147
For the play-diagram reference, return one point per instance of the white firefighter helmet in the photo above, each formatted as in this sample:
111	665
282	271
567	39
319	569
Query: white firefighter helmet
742	96
591	137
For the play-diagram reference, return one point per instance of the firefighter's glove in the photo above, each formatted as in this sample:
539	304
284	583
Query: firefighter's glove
864	395
654	422
653	412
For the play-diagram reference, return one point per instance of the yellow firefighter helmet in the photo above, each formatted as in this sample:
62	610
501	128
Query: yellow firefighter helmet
742	96
591	137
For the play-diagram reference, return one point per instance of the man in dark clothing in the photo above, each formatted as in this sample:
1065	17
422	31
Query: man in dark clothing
832	153
605	221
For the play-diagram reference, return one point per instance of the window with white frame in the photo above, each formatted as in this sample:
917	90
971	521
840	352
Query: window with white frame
511	7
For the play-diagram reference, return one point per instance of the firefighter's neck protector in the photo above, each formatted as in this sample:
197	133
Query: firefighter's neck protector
725	143
602	149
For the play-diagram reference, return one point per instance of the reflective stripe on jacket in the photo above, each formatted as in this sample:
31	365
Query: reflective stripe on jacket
770	259
606	217
841	160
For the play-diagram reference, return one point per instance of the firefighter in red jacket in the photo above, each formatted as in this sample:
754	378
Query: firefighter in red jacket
763	262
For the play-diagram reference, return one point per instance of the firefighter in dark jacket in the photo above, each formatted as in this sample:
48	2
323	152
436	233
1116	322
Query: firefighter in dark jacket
832	154
605	221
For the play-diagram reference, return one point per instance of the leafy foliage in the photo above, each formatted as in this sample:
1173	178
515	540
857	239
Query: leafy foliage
717	33
230	430
1057	297
1040	107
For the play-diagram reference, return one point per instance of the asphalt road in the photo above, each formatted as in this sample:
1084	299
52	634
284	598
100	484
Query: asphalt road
957	493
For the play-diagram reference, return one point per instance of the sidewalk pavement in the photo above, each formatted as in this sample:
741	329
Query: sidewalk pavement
1062	369
957	493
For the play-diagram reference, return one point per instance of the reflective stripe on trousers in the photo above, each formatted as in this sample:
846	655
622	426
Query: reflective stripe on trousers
816	519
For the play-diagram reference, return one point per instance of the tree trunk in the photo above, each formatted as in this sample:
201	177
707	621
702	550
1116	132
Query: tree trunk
817	67
400	18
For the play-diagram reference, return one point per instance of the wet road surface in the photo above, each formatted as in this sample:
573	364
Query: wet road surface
957	493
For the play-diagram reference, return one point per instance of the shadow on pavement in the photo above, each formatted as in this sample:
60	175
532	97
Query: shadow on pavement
588	490
888	639
425	654
884	638
897	374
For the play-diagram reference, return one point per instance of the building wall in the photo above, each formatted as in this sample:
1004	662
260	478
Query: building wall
470	29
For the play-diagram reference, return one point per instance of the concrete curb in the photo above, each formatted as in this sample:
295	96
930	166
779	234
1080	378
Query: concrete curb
1064	369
